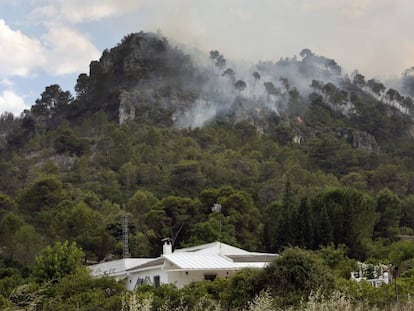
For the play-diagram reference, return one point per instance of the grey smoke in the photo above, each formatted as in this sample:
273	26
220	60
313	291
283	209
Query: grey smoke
219	95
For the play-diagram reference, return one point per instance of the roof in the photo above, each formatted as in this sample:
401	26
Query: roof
210	256
151	263
255	257
200	262
116	267
194	261
214	248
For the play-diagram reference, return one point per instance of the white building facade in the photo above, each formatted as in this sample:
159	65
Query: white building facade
183	266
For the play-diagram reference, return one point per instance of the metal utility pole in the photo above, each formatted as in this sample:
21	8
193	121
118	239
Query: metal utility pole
217	208
125	236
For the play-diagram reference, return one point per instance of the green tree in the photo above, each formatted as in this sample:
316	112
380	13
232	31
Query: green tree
186	177
141	203
87	228
322	153
55	262
19	241
82	88
81	290
43	194
26	244
172	217
358	80
242	213
389	210
7	204
10	278
336	259
344	216
68	142
407	212
216	228
295	274
51	99
121	151
242	288
281	221
305	224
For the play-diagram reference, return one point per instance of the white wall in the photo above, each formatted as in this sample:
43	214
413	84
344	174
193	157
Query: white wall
182	278
148	275
179	278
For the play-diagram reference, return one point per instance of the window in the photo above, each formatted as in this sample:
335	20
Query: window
156	281
139	282
210	277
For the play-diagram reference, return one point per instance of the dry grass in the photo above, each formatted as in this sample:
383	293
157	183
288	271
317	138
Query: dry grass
264	302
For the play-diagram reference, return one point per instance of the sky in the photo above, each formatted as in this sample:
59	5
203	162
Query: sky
44	42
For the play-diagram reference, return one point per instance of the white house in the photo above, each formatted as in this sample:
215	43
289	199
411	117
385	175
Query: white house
183	266
375	275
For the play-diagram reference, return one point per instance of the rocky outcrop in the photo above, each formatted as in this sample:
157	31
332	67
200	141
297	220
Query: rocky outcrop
363	140
358	139
126	107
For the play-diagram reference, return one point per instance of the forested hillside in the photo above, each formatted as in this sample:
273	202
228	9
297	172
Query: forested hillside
297	152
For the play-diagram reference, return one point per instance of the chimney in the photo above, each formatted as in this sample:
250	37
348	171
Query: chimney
166	246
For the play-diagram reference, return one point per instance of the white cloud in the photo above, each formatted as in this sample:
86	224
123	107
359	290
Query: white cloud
19	54
11	102
68	51
77	11
7	83
61	50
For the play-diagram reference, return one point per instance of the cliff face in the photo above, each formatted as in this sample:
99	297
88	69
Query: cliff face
143	69
356	138
139	55
126	107
365	141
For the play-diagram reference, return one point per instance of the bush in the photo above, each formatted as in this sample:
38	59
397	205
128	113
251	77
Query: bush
295	274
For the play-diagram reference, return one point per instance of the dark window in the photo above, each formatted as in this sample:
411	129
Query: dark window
156	281
139	283
210	277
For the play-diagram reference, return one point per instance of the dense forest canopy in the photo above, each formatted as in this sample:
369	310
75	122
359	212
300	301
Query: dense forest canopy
297	153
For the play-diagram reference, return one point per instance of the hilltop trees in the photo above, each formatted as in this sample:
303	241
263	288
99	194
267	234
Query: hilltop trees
256	77
51	100
358	79
376	86
240	85
230	74
270	90
217	59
